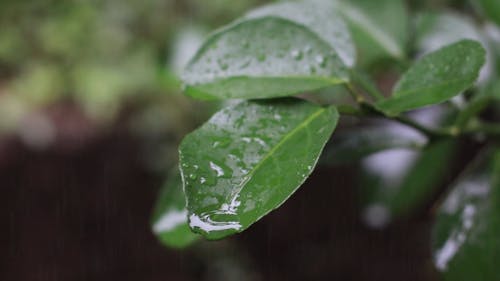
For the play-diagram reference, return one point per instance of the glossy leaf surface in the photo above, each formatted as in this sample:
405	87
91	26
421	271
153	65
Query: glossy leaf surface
436	77
320	17
169	221
468	226
248	159
262	58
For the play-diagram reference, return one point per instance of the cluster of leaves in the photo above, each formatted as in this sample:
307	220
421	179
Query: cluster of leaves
251	156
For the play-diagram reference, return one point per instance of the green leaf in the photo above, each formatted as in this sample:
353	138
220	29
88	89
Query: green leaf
263	58
466	244
379	28
492	9
248	159
321	18
169	221
436	77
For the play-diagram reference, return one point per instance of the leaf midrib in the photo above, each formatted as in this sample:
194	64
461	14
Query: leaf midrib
401	94
277	146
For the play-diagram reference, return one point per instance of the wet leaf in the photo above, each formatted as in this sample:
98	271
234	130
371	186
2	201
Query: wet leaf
466	245
436	77
248	159
318	16
170	221
262	58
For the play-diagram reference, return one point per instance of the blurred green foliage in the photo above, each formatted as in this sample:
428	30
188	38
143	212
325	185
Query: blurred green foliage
96	53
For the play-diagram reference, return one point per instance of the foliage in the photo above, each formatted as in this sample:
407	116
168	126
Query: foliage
254	154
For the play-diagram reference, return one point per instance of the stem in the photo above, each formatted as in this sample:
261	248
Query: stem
472	109
367	85
431	133
489	129
368	110
358	98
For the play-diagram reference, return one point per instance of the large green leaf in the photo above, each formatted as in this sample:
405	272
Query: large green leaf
169	219
248	159
319	16
436	77
379	28
467	228
263	57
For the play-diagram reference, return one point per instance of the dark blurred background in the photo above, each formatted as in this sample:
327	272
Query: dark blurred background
91	113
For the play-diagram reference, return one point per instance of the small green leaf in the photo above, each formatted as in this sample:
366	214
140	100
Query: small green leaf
248	159
466	244
262	58
436	77
170	215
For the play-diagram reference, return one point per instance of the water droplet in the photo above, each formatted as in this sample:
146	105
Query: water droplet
218	170
206	224
296	54
321	60
192	176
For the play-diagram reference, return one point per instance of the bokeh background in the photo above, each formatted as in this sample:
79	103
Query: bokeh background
91	113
